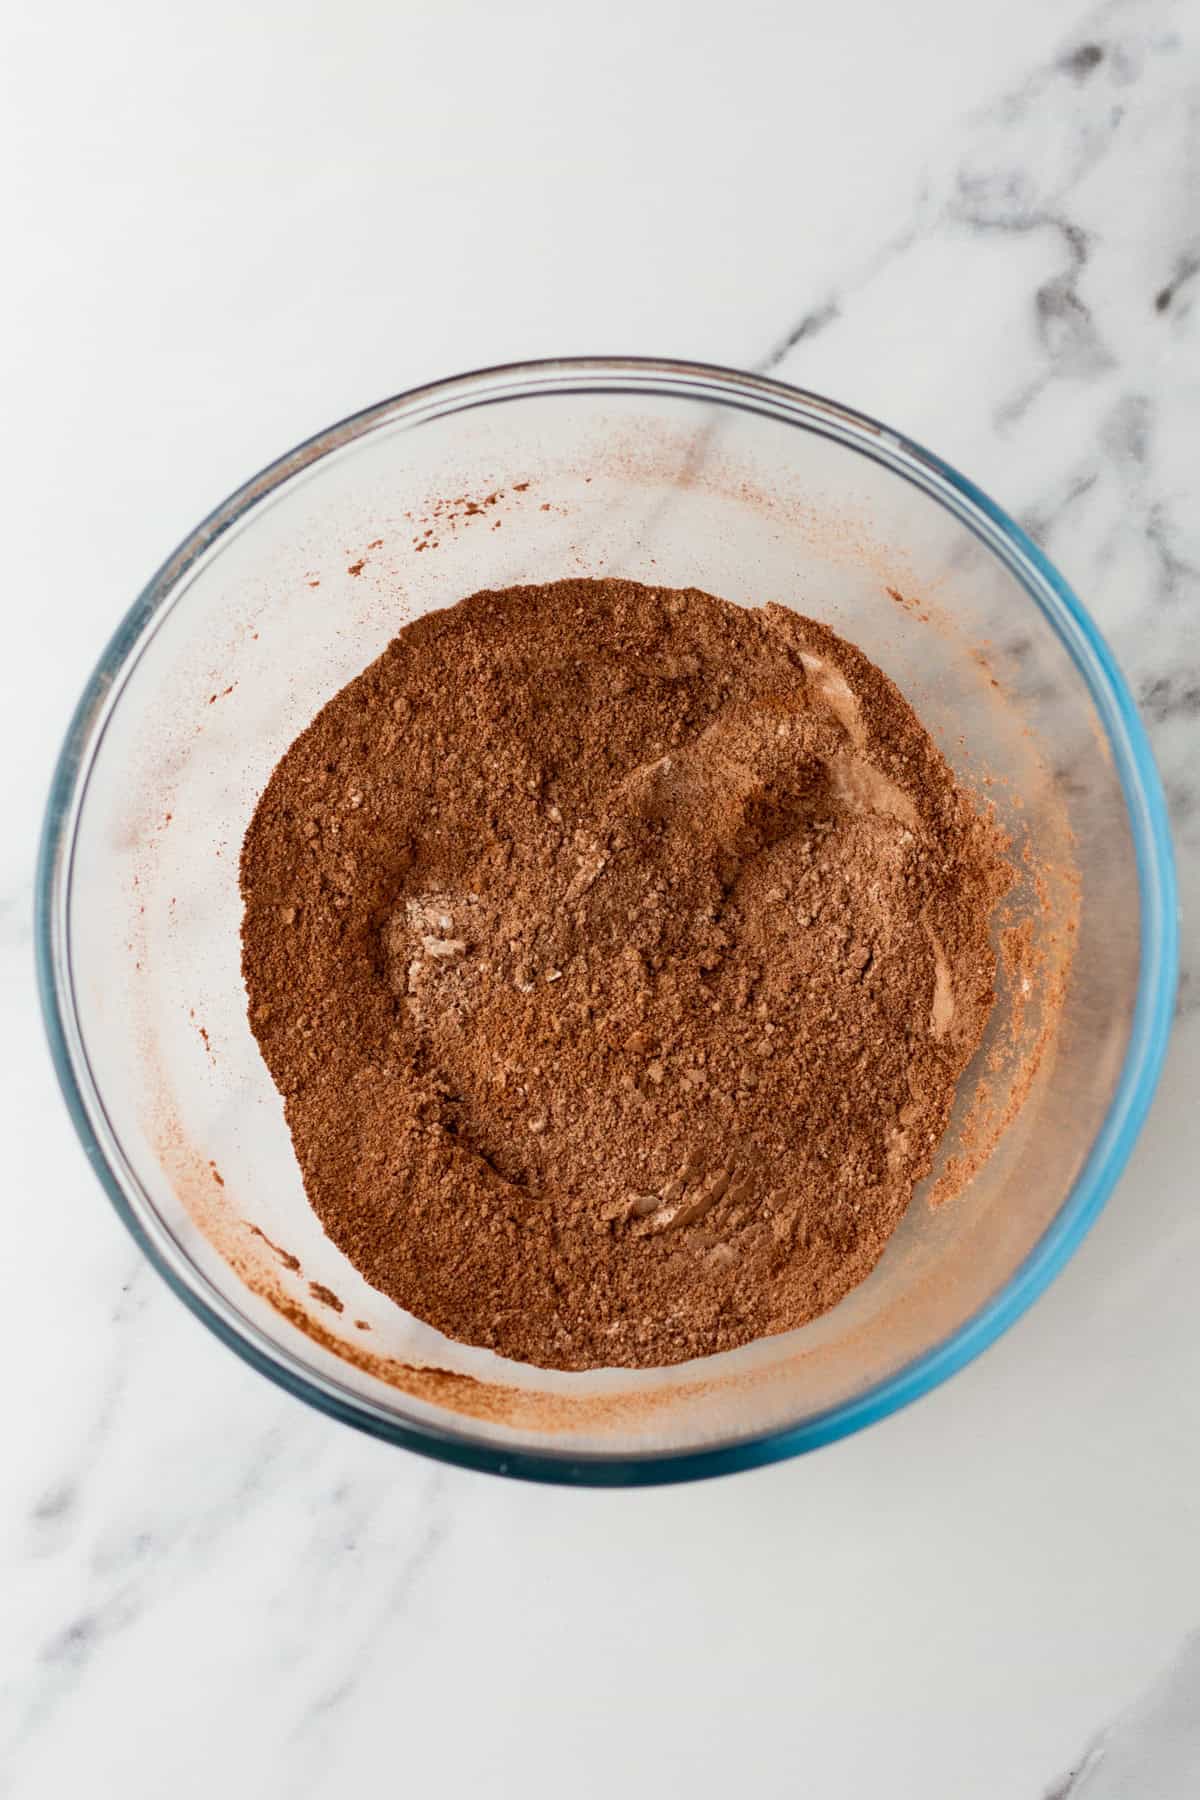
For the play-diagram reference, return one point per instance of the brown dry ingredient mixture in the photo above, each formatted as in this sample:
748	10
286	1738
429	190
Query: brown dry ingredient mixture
616	952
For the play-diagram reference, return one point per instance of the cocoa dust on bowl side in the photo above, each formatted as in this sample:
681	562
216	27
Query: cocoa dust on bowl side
617	952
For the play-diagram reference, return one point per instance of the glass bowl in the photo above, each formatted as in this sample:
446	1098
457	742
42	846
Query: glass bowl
661	472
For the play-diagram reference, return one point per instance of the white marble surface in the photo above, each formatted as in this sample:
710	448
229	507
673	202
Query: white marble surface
232	224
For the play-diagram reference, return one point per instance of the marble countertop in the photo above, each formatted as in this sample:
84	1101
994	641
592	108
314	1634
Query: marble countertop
233	225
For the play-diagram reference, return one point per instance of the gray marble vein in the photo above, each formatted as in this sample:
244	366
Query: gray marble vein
1151	1751
322	1714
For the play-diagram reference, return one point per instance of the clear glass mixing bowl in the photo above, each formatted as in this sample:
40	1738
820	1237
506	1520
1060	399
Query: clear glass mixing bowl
666	473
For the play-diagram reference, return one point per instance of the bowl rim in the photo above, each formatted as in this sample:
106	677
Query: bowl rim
1158	950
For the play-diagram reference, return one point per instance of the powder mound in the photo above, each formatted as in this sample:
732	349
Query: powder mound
617	952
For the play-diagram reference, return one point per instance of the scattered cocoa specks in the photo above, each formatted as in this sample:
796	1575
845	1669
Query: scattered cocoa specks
454	513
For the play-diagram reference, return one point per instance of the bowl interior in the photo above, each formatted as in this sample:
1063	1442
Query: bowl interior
713	485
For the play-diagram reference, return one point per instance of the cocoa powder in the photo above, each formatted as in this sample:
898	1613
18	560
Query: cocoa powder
617	952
